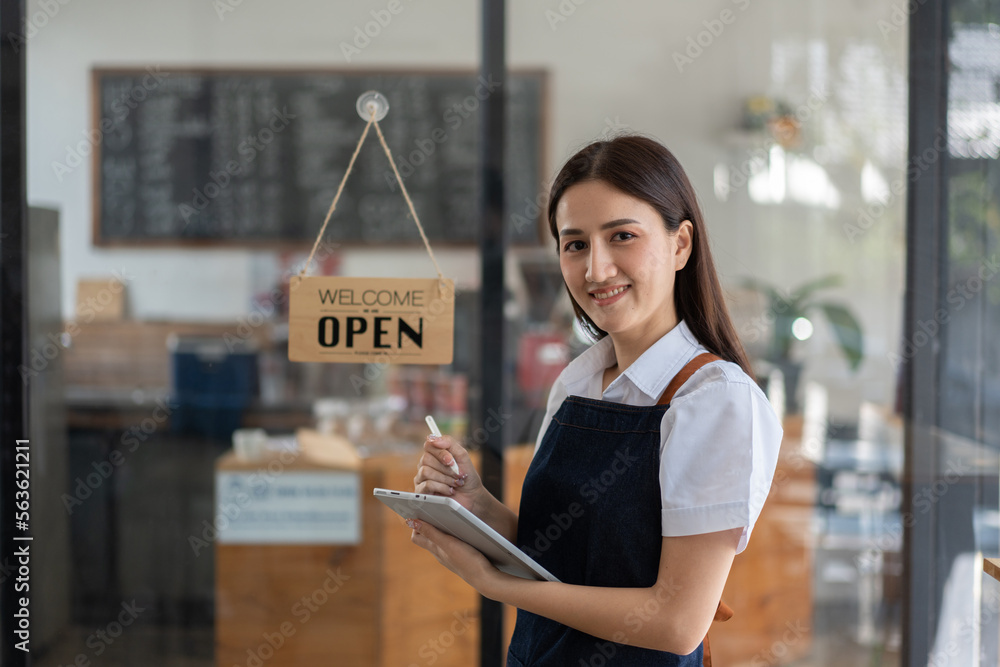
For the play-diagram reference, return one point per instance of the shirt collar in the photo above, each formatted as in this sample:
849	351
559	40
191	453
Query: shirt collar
650	373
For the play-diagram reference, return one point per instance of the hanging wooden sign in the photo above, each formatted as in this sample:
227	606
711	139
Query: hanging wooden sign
371	320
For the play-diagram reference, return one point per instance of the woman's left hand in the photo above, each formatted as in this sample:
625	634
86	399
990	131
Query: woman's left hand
462	559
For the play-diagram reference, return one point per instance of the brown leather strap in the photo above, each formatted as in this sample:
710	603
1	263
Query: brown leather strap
685	374
722	613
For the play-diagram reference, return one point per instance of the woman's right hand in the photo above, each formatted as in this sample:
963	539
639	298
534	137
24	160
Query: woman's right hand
435	476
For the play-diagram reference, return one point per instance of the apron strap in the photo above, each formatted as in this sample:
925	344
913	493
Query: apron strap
723	612
685	374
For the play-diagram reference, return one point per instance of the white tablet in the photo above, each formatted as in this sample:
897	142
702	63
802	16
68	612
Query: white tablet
446	514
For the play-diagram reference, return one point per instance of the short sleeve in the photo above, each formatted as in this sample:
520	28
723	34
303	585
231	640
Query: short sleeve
720	447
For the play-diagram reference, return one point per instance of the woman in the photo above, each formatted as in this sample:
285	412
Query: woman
654	458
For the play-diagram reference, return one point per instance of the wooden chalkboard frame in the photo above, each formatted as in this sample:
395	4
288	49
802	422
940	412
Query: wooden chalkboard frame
98	73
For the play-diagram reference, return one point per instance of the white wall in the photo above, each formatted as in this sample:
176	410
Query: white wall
203	284
608	61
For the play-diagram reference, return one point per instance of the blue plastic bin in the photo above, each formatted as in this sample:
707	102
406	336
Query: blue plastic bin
212	386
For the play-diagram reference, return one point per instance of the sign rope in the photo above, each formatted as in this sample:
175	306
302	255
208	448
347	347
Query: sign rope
402	186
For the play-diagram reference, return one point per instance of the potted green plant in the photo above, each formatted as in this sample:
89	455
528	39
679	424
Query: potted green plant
790	312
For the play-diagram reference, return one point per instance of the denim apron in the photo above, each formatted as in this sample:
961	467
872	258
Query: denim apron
590	514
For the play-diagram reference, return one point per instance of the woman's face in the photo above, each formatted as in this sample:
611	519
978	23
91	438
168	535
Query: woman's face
618	259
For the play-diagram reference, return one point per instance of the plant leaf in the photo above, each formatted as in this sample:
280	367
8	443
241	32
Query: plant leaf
847	330
804	291
776	302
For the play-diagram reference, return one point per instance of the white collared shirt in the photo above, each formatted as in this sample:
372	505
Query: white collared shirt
719	439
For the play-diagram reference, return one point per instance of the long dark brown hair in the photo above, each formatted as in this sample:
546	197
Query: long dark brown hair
645	169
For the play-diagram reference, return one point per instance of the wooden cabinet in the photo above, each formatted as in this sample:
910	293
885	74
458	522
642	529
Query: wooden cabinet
383	602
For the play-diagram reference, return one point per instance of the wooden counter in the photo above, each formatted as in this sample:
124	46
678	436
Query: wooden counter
397	606
383	602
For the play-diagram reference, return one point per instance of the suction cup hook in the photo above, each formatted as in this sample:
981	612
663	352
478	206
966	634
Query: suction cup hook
372	101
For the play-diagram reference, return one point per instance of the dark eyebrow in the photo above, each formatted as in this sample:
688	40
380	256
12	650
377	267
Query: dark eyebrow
607	225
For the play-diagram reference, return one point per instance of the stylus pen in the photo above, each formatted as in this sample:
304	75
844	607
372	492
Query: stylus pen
436	432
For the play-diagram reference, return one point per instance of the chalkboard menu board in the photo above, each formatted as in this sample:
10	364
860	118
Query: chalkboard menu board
251	157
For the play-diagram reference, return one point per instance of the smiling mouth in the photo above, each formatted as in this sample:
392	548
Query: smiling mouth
609	293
